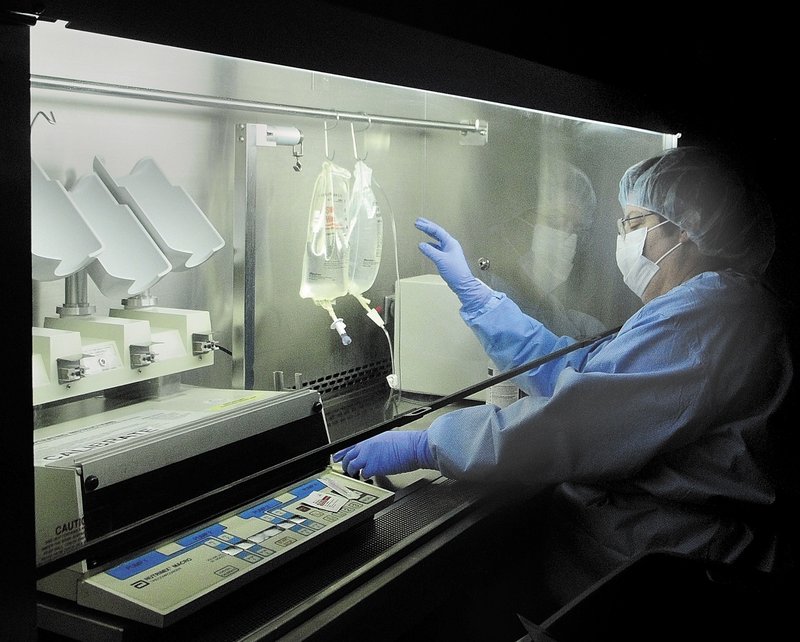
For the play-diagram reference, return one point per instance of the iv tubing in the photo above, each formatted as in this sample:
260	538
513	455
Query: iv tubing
395	380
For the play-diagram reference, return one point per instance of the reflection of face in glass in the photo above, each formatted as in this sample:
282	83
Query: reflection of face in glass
539	245
565	197
565	205
549	262
561	215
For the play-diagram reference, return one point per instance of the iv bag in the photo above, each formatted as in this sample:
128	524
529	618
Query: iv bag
325	263
365	236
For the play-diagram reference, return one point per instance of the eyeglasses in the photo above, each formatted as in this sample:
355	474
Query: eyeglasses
621	222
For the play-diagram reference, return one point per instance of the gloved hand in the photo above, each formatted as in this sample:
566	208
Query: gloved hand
390	453
447	255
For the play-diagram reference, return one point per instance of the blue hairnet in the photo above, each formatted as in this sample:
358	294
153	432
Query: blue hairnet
704	194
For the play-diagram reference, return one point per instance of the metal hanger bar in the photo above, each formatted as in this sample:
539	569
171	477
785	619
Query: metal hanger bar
218	102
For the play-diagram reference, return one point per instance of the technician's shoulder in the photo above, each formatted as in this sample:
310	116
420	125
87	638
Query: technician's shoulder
726	290
735	289
706	309
730	306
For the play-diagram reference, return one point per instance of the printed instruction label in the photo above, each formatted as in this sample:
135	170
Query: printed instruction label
324	501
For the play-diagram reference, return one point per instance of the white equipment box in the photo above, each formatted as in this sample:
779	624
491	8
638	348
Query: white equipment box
436	352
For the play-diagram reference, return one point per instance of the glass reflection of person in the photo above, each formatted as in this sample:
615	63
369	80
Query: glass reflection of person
538	250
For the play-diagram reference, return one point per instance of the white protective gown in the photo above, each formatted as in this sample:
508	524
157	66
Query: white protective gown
642	434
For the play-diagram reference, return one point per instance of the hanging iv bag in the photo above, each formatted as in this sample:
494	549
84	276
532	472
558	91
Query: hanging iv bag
325	263
365	237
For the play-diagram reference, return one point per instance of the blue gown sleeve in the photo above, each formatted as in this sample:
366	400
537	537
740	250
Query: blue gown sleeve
584	417
511	338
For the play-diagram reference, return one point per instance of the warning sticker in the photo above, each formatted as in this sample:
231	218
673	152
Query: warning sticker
65	538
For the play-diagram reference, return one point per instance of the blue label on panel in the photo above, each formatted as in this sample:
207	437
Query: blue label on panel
137	565
306	489
201	536
301	491
259	509
154	558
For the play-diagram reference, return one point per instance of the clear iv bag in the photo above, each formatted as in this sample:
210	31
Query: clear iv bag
365	236
325	264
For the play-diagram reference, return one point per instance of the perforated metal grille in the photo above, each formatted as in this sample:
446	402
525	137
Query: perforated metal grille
333	385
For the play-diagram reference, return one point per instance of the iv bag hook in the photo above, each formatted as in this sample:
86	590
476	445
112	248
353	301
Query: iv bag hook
297	152
327	129
49	118
353	136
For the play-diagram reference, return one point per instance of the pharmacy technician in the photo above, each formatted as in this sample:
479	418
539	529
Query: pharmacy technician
652	438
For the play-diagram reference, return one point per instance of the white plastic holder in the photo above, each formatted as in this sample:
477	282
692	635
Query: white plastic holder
62	240
130	262
178	226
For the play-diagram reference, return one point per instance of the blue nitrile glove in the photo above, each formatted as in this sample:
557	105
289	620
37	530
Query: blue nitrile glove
390	453
447	255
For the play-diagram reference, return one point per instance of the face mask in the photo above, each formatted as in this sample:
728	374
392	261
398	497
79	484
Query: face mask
549	262
637	270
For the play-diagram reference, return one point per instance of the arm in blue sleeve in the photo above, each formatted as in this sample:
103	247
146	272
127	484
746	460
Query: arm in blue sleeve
584	432
597	423
511	338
